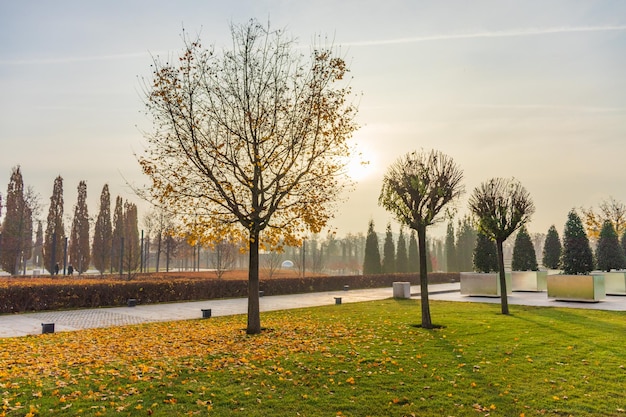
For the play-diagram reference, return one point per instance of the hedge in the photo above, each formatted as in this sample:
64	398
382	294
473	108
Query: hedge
33	296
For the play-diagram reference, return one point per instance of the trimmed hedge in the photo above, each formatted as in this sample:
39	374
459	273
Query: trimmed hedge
33	296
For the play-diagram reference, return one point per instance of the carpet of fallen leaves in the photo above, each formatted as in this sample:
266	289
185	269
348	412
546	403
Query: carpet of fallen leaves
353	359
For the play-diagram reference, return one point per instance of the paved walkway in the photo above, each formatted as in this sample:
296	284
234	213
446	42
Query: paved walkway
31	323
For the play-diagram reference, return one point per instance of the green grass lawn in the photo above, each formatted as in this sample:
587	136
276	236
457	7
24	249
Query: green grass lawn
362	359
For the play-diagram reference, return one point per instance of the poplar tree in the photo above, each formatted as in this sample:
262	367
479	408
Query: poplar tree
17	228
132	249
552	249
79	235
577	255
524	257
102	234
389	253
414	255
118	234
609	252
451	258
55	229
371	263
402	259
38	247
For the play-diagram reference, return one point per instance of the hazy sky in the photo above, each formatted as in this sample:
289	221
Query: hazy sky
534	90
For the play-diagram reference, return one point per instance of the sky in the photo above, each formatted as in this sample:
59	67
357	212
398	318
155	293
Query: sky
528	89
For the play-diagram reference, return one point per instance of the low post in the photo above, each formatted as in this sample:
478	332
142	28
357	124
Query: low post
206	313
47	328
346	287
132	302
337	300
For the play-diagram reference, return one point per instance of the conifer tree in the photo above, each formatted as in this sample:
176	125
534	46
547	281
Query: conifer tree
389	253
451	258
524	257
402	258
17	228
465	244
577	255
485	254
552	249
609	252
55	229
118	234
79	252
102	234
414	256
371	263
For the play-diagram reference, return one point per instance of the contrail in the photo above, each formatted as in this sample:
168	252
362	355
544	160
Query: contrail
496	34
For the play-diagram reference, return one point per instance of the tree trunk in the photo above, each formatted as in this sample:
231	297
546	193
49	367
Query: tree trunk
504	301
421	238
254	311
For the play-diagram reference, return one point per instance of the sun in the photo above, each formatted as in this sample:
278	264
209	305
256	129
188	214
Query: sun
360	166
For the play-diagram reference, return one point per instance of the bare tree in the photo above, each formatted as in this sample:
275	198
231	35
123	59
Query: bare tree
501	206
611	210
250	142
415	189
223	257
272	261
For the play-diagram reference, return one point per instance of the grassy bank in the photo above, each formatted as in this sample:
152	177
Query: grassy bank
354	360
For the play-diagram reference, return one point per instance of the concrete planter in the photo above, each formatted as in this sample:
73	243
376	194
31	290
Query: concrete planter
529	280
615	283
482	284
401	289
576	287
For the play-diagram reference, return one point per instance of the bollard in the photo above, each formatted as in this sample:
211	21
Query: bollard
132	302
337	300
346	287
260	293
47	328
206	313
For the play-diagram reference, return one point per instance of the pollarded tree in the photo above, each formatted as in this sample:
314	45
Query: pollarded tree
79	252
577	257
55	229
250	142
524	256
388	263
552	249
402	258
451	261
415	189
102	233
485	257
371	263
414	255
17	227
609	252
501	206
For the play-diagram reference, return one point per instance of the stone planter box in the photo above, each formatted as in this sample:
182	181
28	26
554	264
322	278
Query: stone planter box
483	284
529	280
401	290
576	287
615	282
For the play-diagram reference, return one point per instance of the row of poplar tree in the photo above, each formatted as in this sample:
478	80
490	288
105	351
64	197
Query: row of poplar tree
115	245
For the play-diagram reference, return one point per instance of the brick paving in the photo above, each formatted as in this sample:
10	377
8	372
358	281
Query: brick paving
88	319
